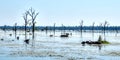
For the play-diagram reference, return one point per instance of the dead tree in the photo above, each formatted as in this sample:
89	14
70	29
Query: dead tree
116	29
93	29
15	29
63	28
25	17
54	28
100	28
4	28
46	30
81	27
32	13
104	29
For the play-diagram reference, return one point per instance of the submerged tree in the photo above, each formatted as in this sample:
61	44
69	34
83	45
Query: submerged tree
100	28
104	29
25	17
107	27
32	13
93	29
63	28
15	29
116	29
4	28
46	30
81	27
54	28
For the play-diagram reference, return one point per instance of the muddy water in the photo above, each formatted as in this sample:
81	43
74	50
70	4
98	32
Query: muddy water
57	48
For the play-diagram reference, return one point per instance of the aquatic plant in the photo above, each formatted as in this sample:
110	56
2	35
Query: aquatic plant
102	41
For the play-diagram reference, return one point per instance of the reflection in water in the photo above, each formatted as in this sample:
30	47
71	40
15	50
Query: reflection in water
100	46
33	44
44	46
94	45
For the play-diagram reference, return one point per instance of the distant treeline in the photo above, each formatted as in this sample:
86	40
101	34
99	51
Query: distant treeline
62	28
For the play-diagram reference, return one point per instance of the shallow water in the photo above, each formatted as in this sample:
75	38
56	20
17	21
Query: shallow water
57	48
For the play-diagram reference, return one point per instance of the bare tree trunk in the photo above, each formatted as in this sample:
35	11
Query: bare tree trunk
116	29
104	29
54	29
81	27
25	31
46	30
33	36
15	29
93	30
33	29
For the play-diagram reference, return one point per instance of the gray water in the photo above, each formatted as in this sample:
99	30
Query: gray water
57	48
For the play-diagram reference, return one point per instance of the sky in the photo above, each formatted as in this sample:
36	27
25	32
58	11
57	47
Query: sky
66	12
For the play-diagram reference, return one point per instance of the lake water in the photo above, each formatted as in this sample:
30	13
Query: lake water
44	47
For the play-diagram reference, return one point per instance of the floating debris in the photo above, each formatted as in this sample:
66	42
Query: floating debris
27	41
51	35
91	42
10	34
65	35
18	38
2	39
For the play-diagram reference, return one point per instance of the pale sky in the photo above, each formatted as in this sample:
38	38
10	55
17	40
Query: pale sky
66	12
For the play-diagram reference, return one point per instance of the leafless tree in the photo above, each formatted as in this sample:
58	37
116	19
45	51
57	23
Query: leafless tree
116	29
32	13
25	17
100	29
54	28
63	28
46	30
15	29
104	28
93	29
81	27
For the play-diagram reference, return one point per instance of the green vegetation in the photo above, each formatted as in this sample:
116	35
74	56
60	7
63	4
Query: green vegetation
102	41
105	42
